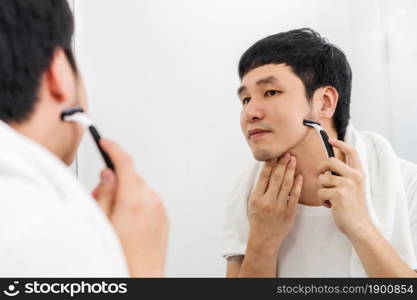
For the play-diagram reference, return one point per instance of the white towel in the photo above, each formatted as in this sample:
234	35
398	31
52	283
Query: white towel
39	191
385	195
385	198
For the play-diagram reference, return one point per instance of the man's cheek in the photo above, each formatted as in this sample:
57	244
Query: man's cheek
243	128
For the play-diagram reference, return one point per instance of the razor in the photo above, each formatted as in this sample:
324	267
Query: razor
77	114
323	137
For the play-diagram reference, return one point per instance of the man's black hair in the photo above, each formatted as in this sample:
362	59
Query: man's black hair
30	32
313	59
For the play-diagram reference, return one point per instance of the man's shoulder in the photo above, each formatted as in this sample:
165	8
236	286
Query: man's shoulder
25	206
88	245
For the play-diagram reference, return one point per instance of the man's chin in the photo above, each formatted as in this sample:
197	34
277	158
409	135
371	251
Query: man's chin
69	157
69	160
264	155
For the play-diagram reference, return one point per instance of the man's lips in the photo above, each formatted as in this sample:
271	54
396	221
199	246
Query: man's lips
254	133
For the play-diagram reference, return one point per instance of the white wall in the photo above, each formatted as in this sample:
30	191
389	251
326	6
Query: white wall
402	66
162	77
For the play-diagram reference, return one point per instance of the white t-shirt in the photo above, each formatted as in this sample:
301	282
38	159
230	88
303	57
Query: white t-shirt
314	247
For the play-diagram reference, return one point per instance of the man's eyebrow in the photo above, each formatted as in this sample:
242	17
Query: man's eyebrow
266	80
241	89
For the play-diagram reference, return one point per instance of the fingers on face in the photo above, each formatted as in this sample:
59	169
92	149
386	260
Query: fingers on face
277	177
263	180
295	193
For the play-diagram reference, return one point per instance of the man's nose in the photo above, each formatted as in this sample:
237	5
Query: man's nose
254	111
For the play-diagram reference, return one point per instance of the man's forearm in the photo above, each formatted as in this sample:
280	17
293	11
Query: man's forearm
378	257
260	259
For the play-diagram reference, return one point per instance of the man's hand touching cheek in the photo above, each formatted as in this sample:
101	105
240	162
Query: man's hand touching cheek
346	192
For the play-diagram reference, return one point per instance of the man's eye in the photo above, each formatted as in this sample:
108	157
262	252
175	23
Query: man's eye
271	93
245	100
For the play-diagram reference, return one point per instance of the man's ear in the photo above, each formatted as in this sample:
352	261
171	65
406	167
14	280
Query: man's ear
328	97
60	78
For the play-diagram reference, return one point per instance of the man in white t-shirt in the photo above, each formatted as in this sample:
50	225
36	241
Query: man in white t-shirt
49	225
289	216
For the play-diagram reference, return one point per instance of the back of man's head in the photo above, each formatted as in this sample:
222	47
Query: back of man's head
30	32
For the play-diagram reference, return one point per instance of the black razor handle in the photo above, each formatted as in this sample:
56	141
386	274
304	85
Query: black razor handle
329	147
97	138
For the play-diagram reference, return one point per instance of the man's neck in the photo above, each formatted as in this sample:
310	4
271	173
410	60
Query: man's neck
310	154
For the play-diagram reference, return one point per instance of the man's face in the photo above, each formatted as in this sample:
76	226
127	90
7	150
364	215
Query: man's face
75	130
274	104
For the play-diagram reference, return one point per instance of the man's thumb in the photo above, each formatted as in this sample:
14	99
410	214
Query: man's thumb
104	193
